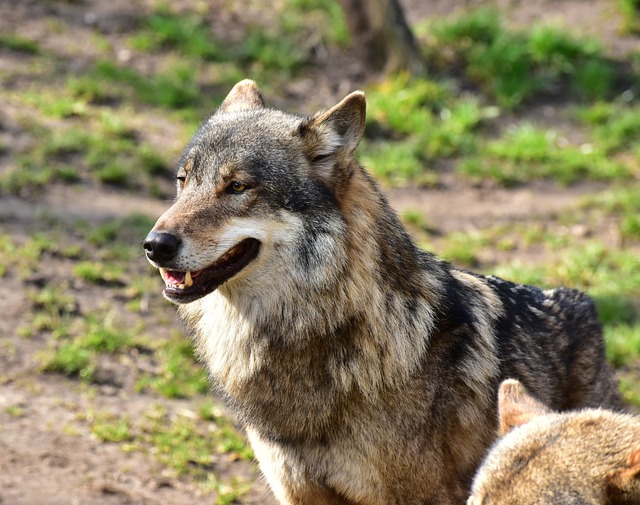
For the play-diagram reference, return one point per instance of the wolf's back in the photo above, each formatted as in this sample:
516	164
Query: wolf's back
551	340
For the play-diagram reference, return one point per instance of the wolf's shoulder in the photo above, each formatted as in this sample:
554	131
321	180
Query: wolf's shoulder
562	300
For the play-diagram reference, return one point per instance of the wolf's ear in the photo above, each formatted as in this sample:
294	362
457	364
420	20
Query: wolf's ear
334	132
516	406
626	480
243	96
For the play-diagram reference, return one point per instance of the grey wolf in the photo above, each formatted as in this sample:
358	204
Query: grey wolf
584	457
364	370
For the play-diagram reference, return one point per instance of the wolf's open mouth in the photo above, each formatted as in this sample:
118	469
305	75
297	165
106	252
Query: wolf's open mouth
185	287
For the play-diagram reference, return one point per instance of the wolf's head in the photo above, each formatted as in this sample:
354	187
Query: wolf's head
258	192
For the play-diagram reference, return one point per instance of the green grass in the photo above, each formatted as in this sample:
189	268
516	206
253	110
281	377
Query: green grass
53	310
416	127
630	387
172	89
85	89
424	122
76	339
414	122
415	219
287	47
404	105
25	257
94	101
70	358
29	177
98	272
189	444
110	428
528	153
630	10
623	344
615	126
128	230
515	66
108	152
593	80
179	376
75	351
282	48
622	203
608	273
326	16
597	269
8	254
180	442
16	411
20	44
461	248
187	34
397	163
52	104
102	336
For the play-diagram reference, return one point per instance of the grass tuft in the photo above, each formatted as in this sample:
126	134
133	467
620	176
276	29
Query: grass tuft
630	10
515	66
179	375
186	34
20	44
527	153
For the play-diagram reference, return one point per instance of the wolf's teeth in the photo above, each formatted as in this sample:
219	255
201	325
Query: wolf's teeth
188	281
163	274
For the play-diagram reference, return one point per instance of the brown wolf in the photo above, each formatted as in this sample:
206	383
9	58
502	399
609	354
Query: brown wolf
585	457
364	370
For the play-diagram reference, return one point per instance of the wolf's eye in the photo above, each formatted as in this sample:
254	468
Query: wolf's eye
237	187
320	157
183	173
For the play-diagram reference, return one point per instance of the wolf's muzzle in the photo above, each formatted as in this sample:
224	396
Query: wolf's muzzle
161	247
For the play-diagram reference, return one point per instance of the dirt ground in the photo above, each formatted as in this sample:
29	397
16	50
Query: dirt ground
46	455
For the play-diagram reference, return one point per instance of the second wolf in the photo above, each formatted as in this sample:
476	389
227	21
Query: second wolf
583	457
363	369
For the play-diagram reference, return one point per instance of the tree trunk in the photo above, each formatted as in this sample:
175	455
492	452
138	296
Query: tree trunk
381	36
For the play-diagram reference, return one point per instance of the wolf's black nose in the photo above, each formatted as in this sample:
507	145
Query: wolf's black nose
161	247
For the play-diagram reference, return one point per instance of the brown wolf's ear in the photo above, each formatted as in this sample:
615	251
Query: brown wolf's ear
516	406
625	482
334	132
243	96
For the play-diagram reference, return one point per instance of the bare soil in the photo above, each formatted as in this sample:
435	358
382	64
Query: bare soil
47	454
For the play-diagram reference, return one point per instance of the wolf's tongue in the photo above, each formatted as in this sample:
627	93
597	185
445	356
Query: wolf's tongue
175	277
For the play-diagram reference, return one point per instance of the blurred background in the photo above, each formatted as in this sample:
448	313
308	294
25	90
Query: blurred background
505	133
